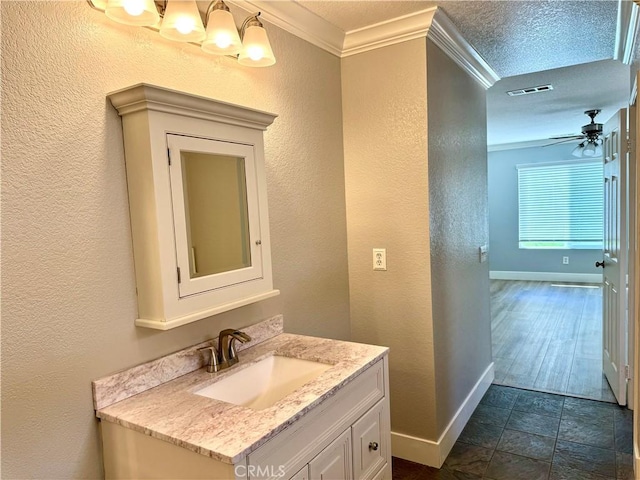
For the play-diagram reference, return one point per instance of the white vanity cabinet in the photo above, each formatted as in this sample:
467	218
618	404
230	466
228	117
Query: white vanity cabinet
198	204
347	437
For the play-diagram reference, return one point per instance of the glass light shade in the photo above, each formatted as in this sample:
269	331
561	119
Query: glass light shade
256	49
222	34
598	150
182	22
589	150
577	152
141	13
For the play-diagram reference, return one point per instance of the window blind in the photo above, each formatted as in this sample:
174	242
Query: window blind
560	205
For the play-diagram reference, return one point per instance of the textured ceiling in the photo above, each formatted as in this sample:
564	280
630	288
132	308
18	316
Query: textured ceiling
517	37
514	36
603	85
559	39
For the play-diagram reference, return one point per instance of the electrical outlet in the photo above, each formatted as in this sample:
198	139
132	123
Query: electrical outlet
379	258
565	260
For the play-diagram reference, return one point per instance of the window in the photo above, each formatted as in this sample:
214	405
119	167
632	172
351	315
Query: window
560	205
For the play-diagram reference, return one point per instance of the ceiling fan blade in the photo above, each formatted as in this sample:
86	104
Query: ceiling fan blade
570	137
562	141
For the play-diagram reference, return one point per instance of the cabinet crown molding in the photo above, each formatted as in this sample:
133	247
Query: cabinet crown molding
144	96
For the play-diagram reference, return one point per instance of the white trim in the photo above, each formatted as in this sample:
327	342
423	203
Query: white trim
446	36
546	276
626	31
636	460
185	319
428	452
389	32
414	449
634	92
144	96
294	18
433	23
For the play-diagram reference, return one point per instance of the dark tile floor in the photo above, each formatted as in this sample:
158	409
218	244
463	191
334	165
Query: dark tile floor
523	435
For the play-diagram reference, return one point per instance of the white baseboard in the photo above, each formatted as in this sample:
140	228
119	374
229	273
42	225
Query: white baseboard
428	452
547	276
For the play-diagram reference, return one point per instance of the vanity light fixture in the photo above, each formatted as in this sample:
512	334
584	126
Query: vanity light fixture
180	21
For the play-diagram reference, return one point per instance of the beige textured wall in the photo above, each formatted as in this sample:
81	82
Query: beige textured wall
385	141
67	269
458	214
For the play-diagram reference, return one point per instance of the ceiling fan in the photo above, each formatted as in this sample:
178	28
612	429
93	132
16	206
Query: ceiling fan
591	145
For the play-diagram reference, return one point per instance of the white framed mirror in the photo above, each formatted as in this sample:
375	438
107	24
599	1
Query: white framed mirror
215	209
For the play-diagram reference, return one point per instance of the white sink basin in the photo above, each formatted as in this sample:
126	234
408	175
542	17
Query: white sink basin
262	384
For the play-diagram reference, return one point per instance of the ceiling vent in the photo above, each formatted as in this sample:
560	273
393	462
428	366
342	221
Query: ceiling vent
527	91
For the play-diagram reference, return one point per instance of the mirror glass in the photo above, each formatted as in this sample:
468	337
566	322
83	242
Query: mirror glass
215	200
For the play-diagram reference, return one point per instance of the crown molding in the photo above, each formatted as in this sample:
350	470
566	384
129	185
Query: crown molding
446	36
626	31
433	23
389	32
297	20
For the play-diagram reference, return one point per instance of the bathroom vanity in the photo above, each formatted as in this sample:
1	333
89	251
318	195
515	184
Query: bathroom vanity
165	419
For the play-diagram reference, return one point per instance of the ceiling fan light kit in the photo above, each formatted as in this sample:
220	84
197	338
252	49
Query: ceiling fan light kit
592	135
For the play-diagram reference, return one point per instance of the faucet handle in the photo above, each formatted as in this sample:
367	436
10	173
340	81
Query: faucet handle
212	366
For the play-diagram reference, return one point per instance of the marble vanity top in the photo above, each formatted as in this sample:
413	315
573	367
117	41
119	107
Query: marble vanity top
226	432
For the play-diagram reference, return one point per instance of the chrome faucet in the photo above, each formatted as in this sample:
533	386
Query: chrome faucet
225	355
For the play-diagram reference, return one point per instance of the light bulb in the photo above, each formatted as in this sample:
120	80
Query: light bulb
255	53
257	50
222	34
134	7
185	25
222	40
141	13
182	22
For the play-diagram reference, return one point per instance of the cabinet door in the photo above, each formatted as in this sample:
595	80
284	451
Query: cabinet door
334	462
370	444
216	214
303	474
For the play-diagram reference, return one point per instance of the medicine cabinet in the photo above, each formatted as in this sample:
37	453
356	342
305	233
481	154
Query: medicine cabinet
198	204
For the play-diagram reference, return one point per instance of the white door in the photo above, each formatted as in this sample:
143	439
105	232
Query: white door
615	252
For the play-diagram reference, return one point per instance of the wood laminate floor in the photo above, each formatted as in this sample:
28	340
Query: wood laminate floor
548	338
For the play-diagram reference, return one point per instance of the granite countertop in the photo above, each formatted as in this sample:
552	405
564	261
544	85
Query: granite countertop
226	432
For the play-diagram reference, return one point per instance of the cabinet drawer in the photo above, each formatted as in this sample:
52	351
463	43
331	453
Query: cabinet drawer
370	442
304	439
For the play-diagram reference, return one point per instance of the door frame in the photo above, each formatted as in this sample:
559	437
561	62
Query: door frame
634	274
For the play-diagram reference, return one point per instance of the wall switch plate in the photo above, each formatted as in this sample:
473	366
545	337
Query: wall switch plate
379	258
565	260
483	251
